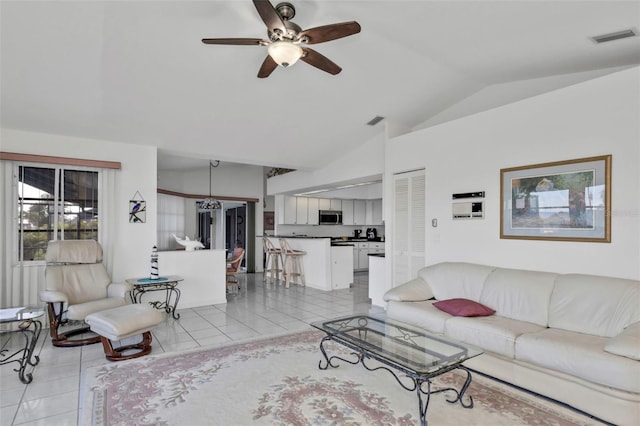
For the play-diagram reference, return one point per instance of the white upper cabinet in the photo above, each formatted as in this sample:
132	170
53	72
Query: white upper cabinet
312	211
289	209
359	212
376	215
302	211
324	204
374	212
347	212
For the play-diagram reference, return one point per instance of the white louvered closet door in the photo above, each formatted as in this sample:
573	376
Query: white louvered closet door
408	225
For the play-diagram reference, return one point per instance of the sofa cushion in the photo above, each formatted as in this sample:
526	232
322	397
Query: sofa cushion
415	290
494	333
450	280
421	314
463	308
519	294
602	306
580	355
626	343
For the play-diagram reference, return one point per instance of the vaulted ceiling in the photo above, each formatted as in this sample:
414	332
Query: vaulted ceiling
137	71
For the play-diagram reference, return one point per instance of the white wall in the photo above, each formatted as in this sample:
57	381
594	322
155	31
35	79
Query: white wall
592	118
138	173
365	161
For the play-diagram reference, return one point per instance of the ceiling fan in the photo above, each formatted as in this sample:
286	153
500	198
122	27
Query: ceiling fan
285	42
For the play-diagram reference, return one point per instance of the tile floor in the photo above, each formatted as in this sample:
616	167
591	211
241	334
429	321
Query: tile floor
259	309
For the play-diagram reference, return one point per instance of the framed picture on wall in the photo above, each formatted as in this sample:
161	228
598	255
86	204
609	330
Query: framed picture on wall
137	209
562	201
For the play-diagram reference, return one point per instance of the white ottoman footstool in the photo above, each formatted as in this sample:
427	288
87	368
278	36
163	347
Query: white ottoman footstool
122	322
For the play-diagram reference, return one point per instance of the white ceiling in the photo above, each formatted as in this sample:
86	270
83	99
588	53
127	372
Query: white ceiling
137	72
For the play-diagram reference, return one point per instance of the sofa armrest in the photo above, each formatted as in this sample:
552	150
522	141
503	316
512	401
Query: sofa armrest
118	289
51	296
413	291
627	343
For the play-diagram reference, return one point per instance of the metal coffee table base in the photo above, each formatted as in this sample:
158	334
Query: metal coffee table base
417	382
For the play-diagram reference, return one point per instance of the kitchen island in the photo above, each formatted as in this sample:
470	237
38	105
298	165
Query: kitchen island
325	267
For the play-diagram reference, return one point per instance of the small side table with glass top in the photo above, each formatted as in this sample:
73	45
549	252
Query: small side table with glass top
25	322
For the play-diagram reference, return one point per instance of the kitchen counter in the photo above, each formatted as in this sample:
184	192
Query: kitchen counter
294	236
326	267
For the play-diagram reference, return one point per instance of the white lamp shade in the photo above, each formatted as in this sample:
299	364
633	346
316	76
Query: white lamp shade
285	53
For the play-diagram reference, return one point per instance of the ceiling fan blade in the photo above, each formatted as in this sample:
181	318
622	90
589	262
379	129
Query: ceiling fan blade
267	67
330	32
320	61
236	41
270	16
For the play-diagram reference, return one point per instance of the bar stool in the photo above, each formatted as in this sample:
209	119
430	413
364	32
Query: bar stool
292	263
273	263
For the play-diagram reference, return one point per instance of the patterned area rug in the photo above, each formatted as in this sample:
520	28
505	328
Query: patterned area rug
277	382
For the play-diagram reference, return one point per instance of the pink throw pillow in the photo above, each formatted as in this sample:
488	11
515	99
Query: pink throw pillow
464	308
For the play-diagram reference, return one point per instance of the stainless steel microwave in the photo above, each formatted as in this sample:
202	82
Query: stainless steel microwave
330	217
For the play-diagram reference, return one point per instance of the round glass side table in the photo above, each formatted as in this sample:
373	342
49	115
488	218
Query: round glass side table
24	322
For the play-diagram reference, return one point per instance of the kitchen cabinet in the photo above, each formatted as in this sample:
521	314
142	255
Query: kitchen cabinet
359	212
374	212
302	215
361	251
324	204
347	212
312	211
363	256
376	247
377	212
290	210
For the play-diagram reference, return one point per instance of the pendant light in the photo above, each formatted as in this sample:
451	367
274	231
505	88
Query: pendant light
211	203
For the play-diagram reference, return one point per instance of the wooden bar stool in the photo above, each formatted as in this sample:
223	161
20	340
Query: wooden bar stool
273	263
292	263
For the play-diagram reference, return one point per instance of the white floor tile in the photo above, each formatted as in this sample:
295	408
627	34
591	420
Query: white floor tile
41	408
259	309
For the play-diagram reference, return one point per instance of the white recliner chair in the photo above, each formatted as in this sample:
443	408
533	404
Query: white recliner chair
77	284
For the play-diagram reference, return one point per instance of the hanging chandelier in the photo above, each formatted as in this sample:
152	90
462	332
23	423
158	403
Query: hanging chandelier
211	203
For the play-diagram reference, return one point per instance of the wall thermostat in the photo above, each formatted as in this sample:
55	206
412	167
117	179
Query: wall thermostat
468	210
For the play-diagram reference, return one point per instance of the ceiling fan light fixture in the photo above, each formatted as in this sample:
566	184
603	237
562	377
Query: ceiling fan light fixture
285	53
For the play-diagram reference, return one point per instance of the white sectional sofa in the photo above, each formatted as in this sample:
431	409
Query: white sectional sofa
571	337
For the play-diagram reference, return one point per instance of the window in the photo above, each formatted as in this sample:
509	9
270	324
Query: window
55	203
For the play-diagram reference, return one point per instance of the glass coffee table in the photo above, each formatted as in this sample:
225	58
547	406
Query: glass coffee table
24	321
415	353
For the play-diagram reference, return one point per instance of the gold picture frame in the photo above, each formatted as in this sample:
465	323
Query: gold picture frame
558	201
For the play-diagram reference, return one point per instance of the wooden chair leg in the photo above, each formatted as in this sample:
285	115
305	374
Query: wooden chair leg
118	354
64	339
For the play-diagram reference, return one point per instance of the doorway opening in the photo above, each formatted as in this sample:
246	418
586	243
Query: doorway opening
224	228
